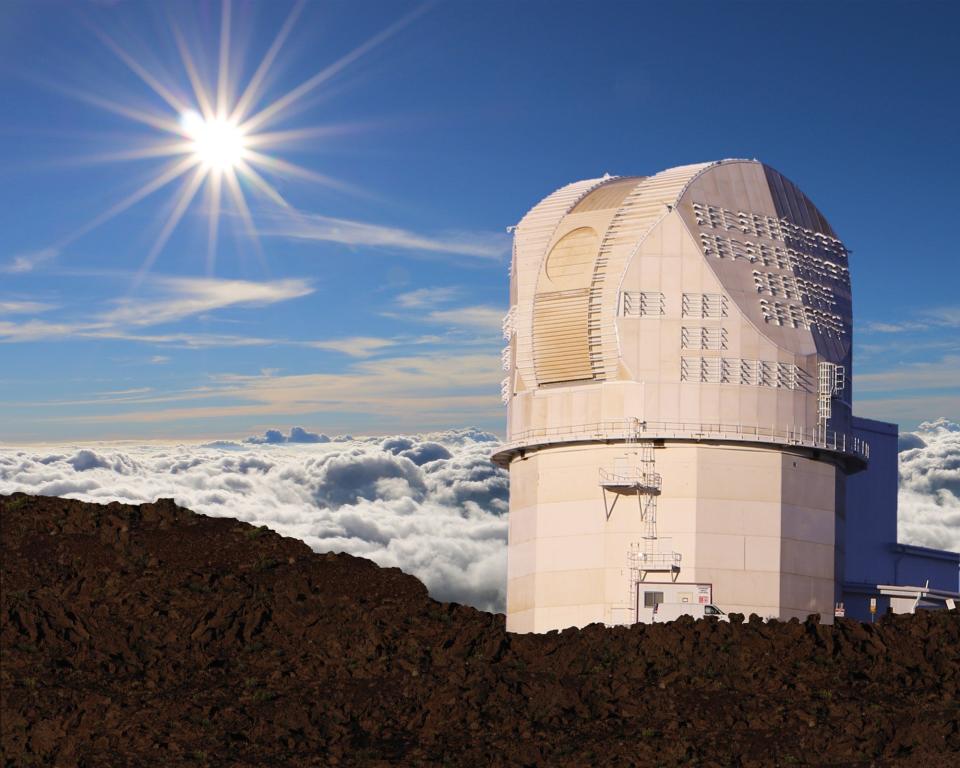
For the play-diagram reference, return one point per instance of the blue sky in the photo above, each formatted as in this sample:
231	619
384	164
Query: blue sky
372	304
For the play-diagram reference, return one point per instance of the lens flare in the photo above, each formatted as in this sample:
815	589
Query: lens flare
210	138
218	144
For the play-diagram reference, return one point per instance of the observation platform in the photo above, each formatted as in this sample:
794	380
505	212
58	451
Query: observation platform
655	562
631	481
853	451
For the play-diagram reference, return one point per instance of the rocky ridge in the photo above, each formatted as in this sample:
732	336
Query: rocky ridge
149	635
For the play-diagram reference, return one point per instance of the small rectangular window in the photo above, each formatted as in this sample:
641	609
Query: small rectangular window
652	599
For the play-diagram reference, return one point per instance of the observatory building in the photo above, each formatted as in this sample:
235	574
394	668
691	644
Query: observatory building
678	392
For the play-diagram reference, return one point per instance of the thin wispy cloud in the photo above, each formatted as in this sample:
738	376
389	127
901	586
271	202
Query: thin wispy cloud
316	227
479	317
23	307
886	327
422	305
911	376
911	409
396	392
182	297
120	392
37	330
175	300
27	262
925	320
909	391
903	346
170	300
354	346
427	297
908	367
946	317
399	391
185	340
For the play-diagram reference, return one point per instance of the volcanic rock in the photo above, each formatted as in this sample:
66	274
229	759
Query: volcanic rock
149	635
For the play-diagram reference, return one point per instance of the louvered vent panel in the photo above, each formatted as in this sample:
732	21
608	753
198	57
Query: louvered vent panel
533	235
561	339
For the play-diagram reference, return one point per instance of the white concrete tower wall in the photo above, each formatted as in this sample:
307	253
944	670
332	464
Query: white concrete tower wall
697	310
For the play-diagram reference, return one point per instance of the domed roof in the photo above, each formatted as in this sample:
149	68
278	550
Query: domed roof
773	252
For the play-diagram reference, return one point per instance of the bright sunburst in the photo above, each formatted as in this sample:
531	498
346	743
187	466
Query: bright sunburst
221	138
218	143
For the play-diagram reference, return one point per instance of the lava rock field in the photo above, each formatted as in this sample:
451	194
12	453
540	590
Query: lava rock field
151	636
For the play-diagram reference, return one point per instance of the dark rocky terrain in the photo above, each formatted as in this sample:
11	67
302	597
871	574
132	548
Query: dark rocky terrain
151	636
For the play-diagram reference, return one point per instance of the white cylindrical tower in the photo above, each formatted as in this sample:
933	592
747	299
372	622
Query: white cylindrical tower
678	397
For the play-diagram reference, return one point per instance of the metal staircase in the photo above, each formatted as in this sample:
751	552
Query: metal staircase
635	475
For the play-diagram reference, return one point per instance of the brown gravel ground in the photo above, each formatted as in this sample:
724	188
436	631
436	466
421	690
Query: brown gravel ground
152	636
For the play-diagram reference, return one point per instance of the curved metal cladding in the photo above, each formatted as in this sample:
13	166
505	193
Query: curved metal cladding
531	238
707	294
776	257
694	326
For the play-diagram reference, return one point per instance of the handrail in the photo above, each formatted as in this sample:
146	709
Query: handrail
632	429
631	476
658	558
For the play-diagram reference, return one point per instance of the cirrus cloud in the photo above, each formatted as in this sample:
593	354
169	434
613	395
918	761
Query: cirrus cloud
311	226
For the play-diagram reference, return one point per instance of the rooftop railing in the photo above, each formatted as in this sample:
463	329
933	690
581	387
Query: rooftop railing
628	430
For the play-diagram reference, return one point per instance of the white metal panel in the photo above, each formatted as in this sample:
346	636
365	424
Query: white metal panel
639	212
531	238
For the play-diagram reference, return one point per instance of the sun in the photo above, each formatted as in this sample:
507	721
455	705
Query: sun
221	140
218	144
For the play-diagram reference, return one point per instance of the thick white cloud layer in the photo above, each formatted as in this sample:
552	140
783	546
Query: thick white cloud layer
929	509
430	504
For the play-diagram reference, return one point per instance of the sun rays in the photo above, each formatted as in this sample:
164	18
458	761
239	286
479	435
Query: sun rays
218	146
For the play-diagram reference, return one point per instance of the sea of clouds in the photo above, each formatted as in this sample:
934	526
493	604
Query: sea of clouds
929	513
432	504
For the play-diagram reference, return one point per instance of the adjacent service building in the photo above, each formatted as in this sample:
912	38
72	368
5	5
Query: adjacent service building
679	378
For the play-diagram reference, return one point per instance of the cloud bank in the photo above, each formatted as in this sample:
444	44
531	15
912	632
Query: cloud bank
276	437
929	503
431	504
